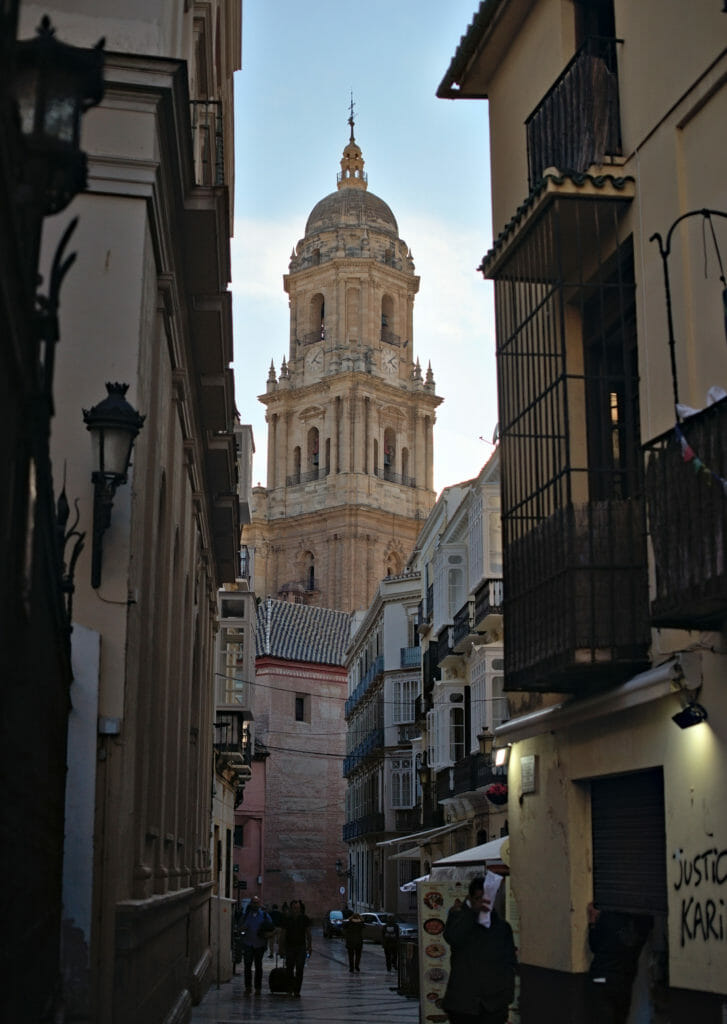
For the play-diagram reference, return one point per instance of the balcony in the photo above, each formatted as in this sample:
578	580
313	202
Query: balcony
207	142
687	513
411	657
446	654
577	122
577	604
373	672
314	336
385	473
407	820
308	477
464	632
430	669
488	606
370	744
424	611
466	776
363	826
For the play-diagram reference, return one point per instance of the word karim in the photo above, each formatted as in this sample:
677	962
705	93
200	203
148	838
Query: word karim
701	918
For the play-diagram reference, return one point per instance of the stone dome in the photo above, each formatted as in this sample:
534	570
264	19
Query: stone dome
351	207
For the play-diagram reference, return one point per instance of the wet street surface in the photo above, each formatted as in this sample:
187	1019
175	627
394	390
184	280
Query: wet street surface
330	994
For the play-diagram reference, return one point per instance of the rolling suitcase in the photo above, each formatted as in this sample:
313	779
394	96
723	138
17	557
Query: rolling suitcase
278	980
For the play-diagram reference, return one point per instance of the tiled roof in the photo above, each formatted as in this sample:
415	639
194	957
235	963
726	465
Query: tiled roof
550	182
298	632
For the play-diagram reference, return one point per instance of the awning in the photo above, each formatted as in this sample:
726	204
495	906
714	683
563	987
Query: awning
420	838
481	854
411	853
411	886
654	683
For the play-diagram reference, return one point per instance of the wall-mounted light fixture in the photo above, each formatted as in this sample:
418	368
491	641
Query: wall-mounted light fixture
691	714
502	756
113	424
340	870
54	84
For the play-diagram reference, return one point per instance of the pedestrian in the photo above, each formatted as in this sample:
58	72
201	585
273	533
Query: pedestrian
353	936
481	983
390	941
255	926
295	929
616	940
276	917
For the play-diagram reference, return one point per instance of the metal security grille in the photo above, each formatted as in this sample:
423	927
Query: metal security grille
573	520
629	842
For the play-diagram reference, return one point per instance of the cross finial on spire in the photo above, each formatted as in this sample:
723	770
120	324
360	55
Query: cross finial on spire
352	165
350	115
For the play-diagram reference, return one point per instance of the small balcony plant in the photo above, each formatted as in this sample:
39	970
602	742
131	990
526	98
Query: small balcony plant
497	793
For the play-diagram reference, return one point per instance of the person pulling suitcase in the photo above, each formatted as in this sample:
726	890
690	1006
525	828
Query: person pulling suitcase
297	943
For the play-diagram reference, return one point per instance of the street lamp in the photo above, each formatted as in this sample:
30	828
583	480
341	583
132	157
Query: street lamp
53	85
486	741
113	424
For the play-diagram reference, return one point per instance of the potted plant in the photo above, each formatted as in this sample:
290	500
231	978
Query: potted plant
497	793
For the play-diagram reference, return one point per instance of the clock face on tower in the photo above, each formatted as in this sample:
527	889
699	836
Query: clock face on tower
390	363
314	361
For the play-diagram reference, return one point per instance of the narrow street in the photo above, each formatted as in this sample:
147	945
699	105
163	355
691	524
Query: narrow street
330	994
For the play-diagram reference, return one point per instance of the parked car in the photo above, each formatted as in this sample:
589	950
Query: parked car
407	930
372	924
333	924
375	920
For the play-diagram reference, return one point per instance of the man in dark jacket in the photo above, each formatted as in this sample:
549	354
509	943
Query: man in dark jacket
255	925
481	982
353	937
616	940
297	943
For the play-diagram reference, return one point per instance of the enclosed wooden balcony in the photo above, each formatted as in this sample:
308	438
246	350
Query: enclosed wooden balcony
686	496
577	599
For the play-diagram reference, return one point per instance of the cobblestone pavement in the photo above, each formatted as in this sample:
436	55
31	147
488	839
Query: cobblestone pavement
330	994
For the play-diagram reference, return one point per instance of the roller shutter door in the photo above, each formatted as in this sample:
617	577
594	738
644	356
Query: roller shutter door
629	842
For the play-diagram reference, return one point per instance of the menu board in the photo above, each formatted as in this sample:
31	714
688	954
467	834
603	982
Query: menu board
434	901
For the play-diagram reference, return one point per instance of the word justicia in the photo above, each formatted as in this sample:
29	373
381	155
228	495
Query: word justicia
708	867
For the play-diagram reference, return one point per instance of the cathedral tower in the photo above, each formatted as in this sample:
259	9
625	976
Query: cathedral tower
350	415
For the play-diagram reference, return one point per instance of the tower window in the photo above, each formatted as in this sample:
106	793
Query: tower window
302	707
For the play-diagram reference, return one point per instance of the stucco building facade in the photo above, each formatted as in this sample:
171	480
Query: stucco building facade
609	210
146	303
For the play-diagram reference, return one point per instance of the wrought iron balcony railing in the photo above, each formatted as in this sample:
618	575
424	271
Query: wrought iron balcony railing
471	773
306	478
464	624
431	672
687	514
488	605
395	478
208	142
411	657
577	122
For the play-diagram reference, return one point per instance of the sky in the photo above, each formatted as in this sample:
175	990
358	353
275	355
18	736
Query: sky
427	158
